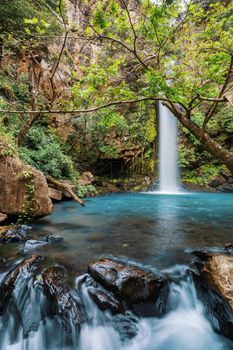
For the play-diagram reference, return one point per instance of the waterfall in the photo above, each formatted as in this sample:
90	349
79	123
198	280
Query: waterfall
168	169
27	323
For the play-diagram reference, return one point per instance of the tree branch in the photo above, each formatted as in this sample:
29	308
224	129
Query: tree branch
221	96
89	110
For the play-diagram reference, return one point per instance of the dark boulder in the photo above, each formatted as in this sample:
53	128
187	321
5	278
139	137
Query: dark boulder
69	309
131	283
106	301
214	283
13	234
33	244
225	188
54	238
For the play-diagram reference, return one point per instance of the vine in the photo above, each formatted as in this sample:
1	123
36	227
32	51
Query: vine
27	211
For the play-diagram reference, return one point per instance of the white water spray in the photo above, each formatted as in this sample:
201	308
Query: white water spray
168	169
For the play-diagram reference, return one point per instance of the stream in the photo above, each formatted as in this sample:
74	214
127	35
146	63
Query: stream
155	231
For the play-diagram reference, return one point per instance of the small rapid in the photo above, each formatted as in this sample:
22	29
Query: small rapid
25	323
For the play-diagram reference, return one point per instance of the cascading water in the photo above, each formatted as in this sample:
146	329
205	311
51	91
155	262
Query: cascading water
183	327
168	169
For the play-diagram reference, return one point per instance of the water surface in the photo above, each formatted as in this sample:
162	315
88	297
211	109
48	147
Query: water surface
152	229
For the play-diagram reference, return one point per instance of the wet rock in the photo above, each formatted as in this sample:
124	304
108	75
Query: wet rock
11	235
222	182
8	282
125	325
3	217
69	310
105	301
129	282
155	309
229	246
225	188
54	238
227	176
215	287
3	264
33	244
23	229
217	181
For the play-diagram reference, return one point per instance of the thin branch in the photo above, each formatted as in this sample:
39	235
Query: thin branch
214	106
212	99
89	110
119	42
131	24
60	56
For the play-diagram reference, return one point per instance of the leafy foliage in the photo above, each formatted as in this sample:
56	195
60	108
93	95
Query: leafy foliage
43	151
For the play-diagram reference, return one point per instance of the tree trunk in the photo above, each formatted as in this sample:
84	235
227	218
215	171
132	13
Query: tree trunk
33	97
210	145
1	51
25	127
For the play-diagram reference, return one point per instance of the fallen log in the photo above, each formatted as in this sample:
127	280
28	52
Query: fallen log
65	187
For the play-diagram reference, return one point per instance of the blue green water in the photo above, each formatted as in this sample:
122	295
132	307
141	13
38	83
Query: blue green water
153	229
157	230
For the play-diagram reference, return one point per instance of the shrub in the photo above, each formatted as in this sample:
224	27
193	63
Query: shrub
43	151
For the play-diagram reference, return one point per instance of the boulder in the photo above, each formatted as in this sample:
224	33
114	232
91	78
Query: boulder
215	286
227	187
106	301
12	234
33	244
3	217
217	181
61	303
55	194
110	188
22	189
54	238
86	178
131	283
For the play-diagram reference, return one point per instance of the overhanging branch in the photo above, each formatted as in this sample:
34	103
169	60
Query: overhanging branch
89	110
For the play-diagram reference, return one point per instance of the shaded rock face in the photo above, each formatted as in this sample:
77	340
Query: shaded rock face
130	283
86	178
69	309
3	217
55	194
16	181
215	287
105	301
13	234
222	182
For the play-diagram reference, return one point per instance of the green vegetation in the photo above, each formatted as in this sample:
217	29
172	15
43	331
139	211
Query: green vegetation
43	151
144	52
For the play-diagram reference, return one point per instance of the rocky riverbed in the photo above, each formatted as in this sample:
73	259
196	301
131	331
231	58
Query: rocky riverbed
121	289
